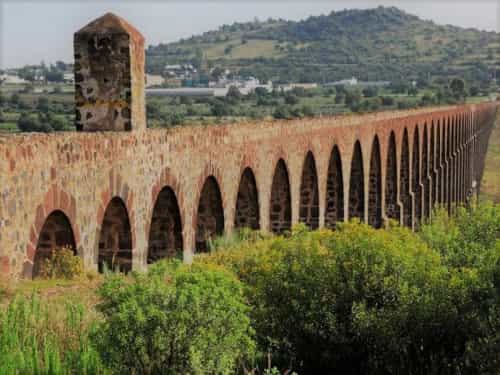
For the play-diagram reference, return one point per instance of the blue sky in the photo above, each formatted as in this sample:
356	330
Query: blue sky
37	30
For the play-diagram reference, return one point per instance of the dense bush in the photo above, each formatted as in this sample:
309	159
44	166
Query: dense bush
361	300
174	320
62	264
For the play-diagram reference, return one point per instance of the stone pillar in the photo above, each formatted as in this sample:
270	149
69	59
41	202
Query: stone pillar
109	76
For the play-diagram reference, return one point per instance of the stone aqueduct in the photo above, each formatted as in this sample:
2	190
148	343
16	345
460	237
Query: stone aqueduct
134	196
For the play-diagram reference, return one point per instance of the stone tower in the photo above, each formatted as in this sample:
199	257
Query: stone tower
109	76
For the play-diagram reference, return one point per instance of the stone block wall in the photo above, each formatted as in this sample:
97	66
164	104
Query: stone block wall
104	187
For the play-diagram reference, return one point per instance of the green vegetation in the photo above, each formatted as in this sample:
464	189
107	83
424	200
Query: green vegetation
490	184
23	110
356	300
62	264
373	44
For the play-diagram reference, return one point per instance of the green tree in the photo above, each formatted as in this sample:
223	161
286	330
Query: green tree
457	87
43	104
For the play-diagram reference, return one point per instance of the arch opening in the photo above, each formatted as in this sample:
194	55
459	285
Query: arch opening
56	233
115	240
375	187
417	192
404	181
357	185
334	207
309	199
210	216
247	202
280	213
391	181
433	164
165	232
425	175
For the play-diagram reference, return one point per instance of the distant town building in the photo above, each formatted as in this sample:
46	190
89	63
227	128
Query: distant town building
11	79
291	86
354	82
154	80
179	71
69	77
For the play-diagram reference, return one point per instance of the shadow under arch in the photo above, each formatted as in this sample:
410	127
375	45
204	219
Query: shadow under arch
404	181
357	185
56	233
247	202
309	195
375	187
165	231
391	181
210	214
115	239
280	210
334	205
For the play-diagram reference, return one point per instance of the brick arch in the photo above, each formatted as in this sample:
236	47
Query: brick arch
117	188
115	241
165	239
167	179
334	205
209	217
357	184
375	185
247	207
433	164
392	210
425	188
404	180
309	193
416	177
56	199
280	208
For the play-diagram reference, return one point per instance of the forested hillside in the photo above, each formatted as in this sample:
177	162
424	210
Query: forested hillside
375	44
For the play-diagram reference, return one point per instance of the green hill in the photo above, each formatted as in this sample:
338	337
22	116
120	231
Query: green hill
374	44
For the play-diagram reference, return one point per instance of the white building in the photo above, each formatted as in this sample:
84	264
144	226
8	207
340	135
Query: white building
12	79
154	80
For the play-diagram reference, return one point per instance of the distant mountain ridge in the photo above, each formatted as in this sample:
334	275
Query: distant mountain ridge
373	44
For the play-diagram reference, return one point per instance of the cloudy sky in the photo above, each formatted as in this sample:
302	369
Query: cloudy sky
35	30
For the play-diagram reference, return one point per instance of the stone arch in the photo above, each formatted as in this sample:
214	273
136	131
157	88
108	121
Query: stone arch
357	185
334	206
55	234
439	164
391	181
165	231
451	174
210	214
115	239
432	165
280	211
404	181
309	195
375	187
415	180
425	174
247	202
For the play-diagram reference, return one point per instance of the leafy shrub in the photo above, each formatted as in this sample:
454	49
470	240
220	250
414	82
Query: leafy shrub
361	300
62	264
38	338
174	320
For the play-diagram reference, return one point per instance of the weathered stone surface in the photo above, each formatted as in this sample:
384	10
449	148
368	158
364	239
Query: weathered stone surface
109	72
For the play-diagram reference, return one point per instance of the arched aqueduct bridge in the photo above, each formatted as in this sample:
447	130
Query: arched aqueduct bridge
133	195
